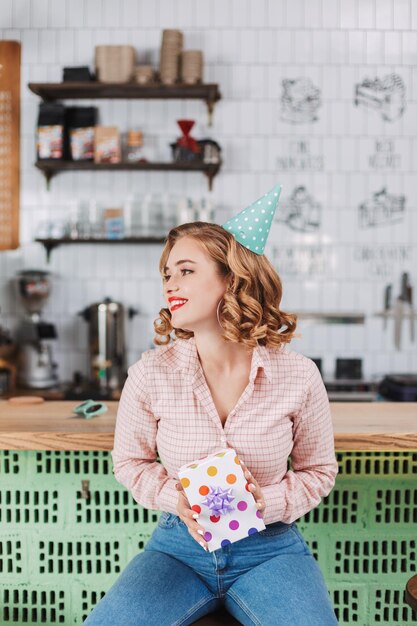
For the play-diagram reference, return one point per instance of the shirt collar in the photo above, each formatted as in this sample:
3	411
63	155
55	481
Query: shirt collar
260	359
185	357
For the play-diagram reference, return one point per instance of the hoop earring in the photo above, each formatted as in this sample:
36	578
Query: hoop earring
217	312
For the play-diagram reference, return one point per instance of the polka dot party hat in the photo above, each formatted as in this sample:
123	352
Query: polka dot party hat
251	226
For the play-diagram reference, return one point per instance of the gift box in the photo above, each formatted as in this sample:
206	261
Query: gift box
217	489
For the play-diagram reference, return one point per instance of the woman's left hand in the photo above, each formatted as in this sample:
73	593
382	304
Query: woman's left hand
254	488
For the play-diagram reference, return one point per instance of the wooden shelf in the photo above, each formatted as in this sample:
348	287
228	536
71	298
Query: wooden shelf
337	317
50	244
51	167
49	92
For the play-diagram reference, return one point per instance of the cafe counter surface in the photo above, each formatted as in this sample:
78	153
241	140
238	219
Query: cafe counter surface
53	426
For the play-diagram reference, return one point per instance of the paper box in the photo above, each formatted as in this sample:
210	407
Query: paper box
107	144
217	489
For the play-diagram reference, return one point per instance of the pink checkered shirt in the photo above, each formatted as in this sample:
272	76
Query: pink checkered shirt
166	407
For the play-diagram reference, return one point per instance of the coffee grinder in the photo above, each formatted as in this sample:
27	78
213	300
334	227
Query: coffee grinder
36	368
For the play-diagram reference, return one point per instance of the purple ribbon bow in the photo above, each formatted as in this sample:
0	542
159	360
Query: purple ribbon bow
218	500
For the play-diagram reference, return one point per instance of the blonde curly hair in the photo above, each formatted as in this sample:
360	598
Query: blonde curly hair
250	312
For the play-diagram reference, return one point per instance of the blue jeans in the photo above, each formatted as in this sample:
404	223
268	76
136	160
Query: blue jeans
269	578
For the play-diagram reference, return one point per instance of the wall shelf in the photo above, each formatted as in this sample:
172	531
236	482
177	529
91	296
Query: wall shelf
336	317
51	167
51	244
50	92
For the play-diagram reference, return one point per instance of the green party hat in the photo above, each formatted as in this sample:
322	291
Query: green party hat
251	226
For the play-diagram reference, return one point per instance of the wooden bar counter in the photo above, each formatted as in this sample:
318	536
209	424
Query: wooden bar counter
53	426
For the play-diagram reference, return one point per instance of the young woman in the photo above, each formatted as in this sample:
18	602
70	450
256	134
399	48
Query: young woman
226	380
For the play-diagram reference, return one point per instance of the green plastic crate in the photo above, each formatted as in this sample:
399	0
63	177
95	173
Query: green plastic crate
35	604
350	604
388	607
60	552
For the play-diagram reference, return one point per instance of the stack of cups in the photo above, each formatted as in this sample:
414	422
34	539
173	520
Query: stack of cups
171	49
144	74
191	67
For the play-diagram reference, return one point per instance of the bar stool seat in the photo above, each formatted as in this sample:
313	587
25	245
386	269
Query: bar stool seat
219	618
411	592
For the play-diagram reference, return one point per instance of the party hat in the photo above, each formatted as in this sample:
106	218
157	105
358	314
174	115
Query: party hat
251	226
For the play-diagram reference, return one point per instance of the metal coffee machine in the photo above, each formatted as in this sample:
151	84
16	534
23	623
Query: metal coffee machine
36	368
106	321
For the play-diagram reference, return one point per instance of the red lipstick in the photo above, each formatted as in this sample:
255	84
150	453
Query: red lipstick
178	305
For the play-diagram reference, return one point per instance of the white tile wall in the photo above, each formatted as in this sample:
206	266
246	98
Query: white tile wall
249	47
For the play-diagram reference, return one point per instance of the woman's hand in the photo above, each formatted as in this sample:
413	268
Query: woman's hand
254	488
190	517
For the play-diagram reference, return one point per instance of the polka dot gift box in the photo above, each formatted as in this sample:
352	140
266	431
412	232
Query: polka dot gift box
217	489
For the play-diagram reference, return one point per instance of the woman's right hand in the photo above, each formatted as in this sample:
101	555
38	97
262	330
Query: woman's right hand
190	517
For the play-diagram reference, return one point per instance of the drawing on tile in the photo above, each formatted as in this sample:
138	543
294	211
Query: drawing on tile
384	156
301	212
316	261
300	101
381	208
386	95
298	157
382	260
